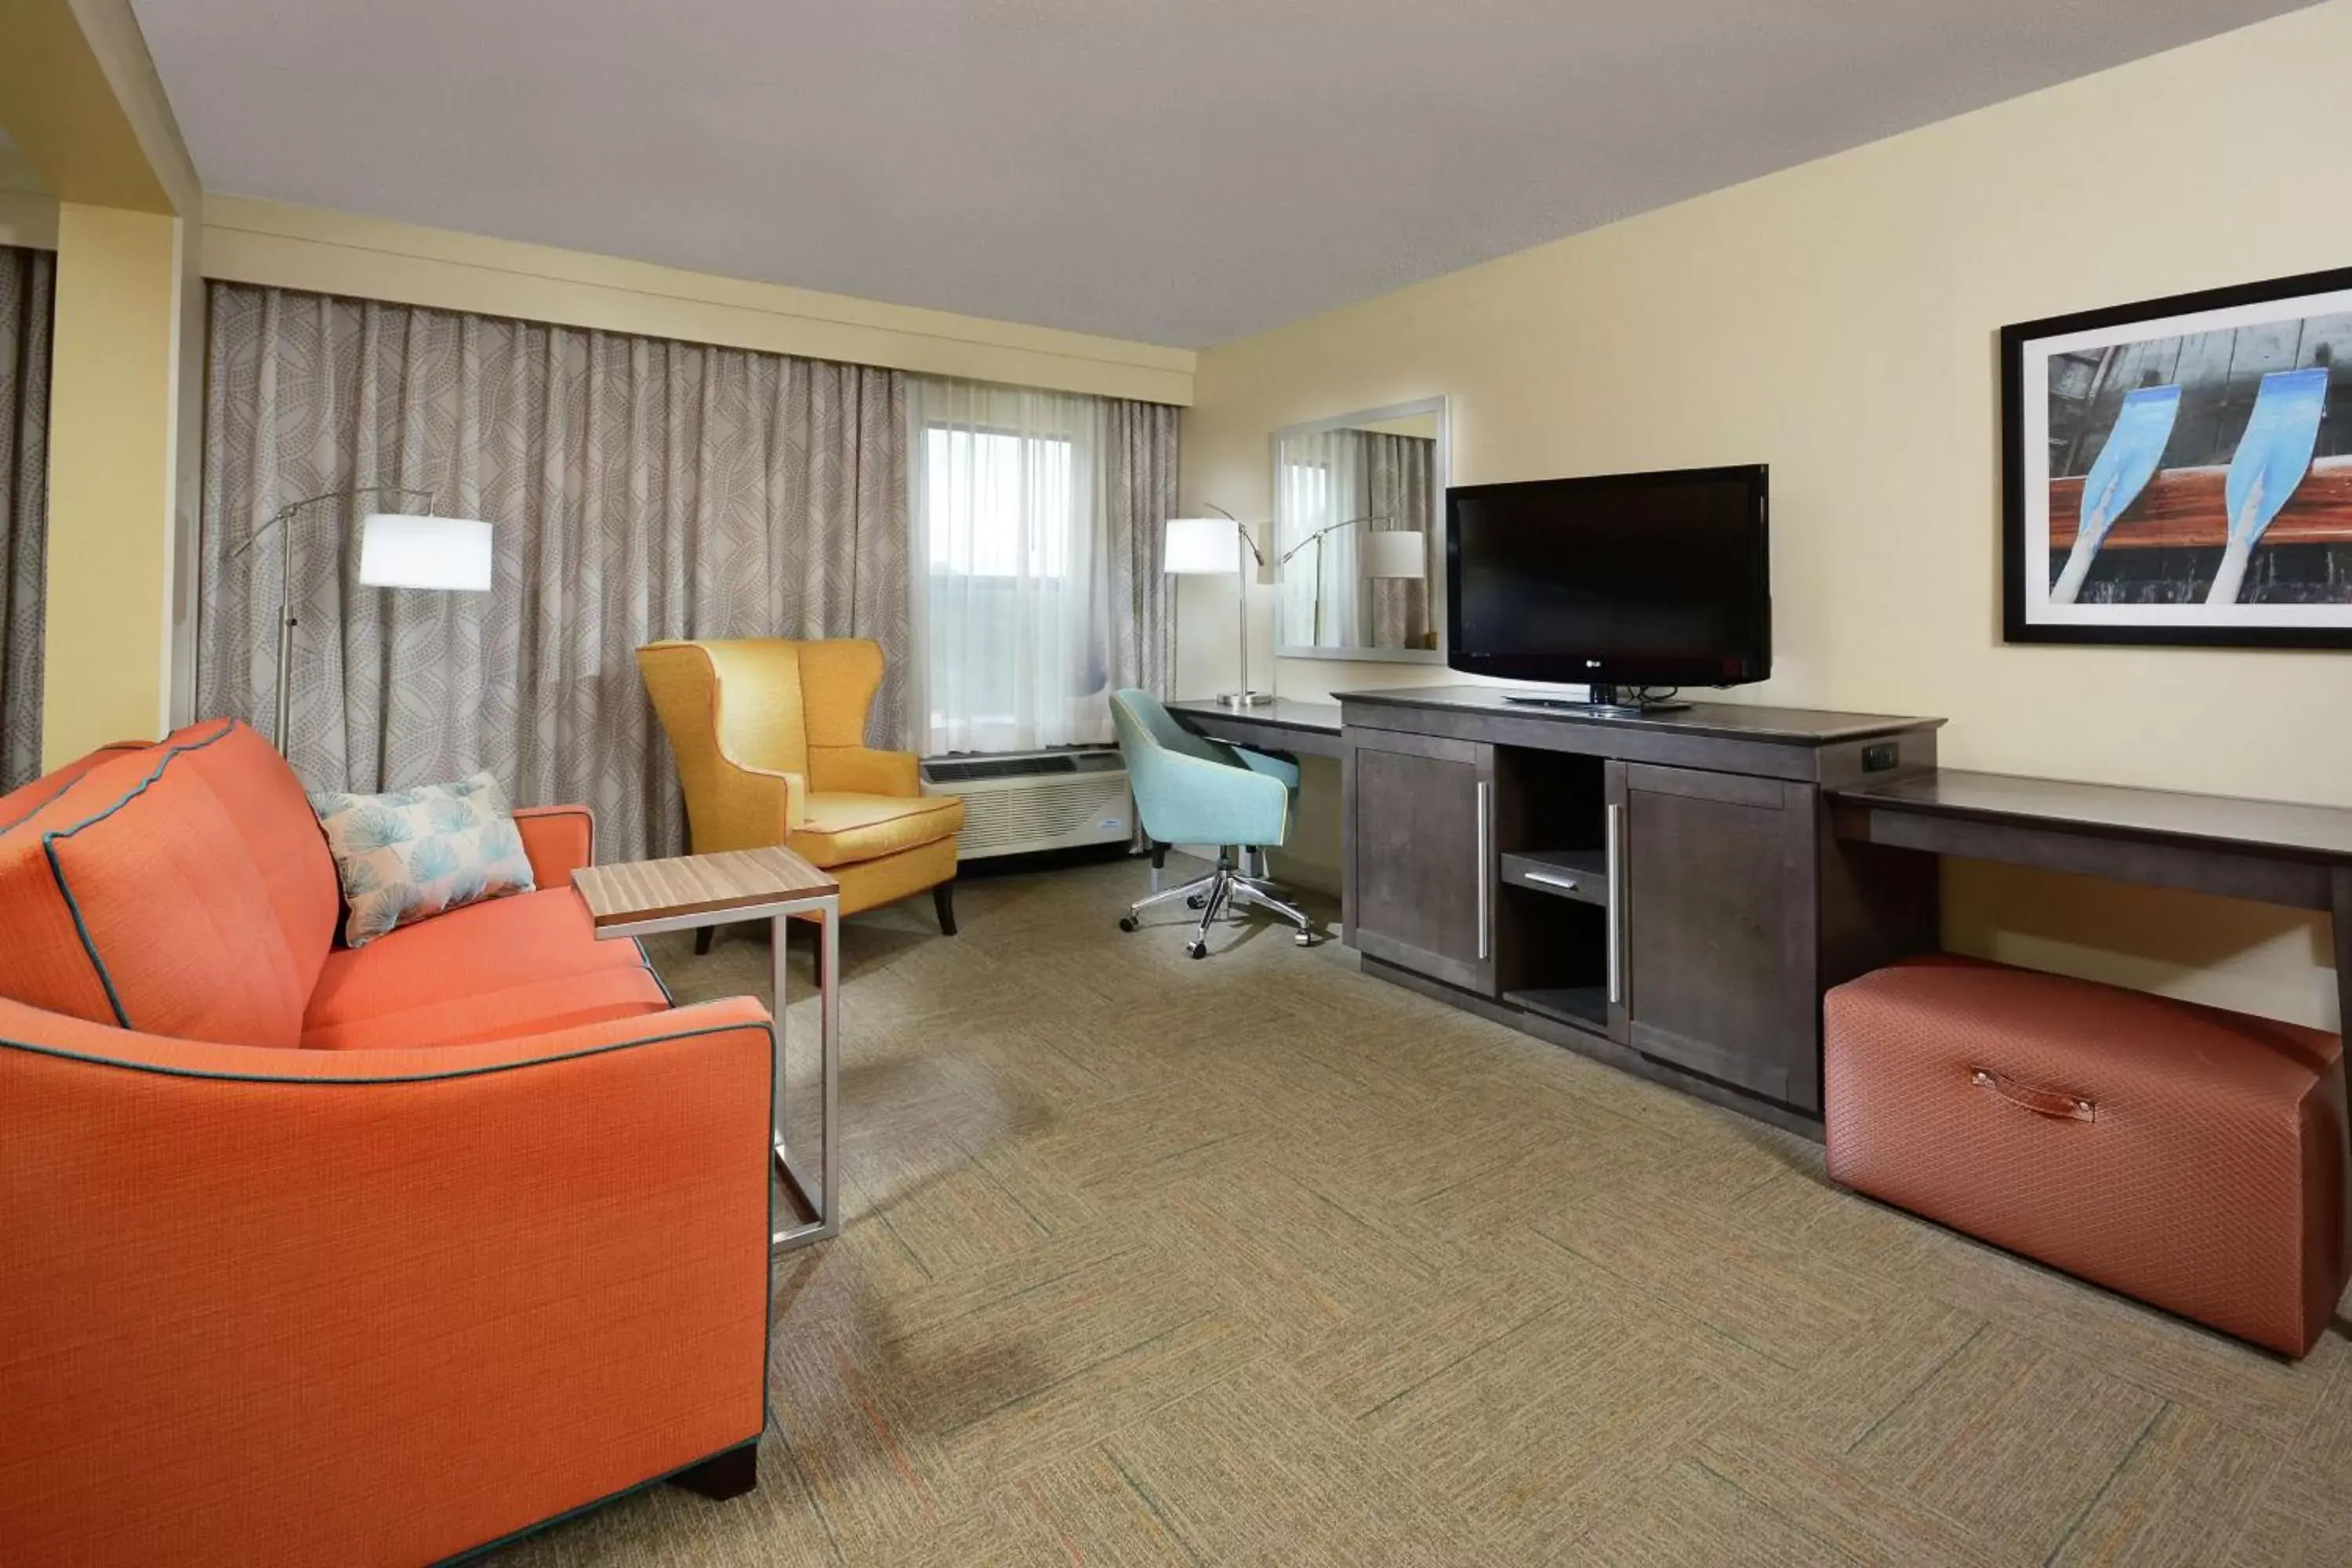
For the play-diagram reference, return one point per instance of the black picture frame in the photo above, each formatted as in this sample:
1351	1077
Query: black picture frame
2019	474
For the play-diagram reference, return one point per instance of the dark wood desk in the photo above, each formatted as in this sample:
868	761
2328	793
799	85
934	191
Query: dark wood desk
2275	852
1302	728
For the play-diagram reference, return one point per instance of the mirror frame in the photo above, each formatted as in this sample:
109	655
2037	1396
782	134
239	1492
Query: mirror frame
1435	404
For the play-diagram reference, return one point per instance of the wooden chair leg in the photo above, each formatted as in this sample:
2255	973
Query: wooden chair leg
722	1475
943	899
702	939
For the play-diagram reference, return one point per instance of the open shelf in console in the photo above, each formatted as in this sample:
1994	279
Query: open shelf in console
1551	895
1584	1006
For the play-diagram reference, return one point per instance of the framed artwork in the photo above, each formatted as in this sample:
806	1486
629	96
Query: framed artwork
2179	472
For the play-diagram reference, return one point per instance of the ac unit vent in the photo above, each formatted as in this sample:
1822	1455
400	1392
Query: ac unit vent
1037	800
1030	765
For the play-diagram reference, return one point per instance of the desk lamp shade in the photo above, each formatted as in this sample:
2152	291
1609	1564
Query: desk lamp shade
1201	546
401	551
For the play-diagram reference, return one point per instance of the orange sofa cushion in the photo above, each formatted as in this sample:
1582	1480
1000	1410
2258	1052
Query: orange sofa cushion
183	889
513	966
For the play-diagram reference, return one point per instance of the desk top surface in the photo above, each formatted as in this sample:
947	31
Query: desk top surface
1732	720
2274	827
1281	713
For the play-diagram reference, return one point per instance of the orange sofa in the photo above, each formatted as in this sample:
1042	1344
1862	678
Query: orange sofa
311	1255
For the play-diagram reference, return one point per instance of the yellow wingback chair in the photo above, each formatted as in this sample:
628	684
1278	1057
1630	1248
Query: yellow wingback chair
769	735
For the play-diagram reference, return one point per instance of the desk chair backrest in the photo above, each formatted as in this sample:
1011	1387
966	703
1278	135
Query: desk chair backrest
1188	788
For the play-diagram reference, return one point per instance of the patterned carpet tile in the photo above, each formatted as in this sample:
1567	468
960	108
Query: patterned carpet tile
1260	1261
2011	1437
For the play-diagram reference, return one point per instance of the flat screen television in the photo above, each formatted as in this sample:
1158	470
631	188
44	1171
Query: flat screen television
1618	581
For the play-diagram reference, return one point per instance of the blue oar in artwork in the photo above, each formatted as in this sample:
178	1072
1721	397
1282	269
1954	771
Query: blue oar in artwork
2272	459
2125	465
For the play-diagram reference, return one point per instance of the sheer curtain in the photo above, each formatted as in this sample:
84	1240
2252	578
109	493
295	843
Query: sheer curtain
637	489
1038	517
27	281
1323	482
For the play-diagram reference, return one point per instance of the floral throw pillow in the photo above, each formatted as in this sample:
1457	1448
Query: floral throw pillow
415	853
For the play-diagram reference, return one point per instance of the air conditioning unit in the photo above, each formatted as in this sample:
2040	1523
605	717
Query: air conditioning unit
1017	801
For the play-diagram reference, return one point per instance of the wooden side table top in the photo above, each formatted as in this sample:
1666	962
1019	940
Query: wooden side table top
637	890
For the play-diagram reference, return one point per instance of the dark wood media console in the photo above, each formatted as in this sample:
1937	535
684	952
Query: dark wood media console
1663	891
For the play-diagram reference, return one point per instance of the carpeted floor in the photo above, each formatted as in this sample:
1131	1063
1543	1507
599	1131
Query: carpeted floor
1259	1260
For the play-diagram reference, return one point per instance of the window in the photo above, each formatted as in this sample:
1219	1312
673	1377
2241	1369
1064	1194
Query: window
997	503
1010	608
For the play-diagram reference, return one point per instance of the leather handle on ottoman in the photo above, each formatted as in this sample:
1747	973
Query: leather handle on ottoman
2040	1102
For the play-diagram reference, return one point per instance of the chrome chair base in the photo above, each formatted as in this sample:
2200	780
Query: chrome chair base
1226	891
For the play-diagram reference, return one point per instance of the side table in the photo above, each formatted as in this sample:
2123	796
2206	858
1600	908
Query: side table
641	897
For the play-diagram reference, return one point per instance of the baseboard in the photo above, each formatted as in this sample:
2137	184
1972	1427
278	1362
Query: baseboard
1601	1049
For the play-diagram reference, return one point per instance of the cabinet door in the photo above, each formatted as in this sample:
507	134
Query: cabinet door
1716	927
1420	857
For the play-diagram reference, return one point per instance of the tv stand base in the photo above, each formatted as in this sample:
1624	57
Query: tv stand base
1602	701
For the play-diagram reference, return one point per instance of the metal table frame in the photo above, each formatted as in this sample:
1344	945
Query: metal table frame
823	1197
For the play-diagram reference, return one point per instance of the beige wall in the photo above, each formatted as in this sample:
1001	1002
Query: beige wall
29	214
1838	322
95	166
114	414
251	241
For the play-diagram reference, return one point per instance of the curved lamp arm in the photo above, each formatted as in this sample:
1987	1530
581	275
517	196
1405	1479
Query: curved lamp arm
1332	528
1240	527
281	521
286	513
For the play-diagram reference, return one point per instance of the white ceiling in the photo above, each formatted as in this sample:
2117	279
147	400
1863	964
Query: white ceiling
1176	170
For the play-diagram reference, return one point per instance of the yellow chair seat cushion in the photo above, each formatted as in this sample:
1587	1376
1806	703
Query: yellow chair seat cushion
841	829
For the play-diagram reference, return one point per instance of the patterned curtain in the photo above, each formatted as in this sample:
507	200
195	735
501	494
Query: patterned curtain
1401	486
26	279
1139	460
637	488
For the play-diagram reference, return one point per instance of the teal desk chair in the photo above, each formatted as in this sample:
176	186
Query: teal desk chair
1192	790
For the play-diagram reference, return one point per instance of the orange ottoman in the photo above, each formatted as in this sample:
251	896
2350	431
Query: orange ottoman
2191	1157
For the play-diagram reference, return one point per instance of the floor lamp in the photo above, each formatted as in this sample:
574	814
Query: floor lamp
397	550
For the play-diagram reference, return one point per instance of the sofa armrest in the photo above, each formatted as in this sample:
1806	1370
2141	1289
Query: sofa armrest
417	1299
560	840
863	770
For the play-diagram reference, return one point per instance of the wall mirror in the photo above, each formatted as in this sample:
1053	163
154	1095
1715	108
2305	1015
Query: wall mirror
1359	519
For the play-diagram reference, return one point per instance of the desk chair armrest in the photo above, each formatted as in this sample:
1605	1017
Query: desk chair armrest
1191	800
1272	767
863	770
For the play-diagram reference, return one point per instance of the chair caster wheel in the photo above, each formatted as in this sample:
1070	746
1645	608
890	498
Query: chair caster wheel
1197	901
1197	949
1304	939
1128	922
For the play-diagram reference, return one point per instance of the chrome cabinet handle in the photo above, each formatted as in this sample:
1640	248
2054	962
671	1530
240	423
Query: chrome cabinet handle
1615	822
1486	895
1549	880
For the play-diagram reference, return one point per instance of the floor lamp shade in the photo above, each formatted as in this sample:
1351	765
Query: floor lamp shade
399	550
